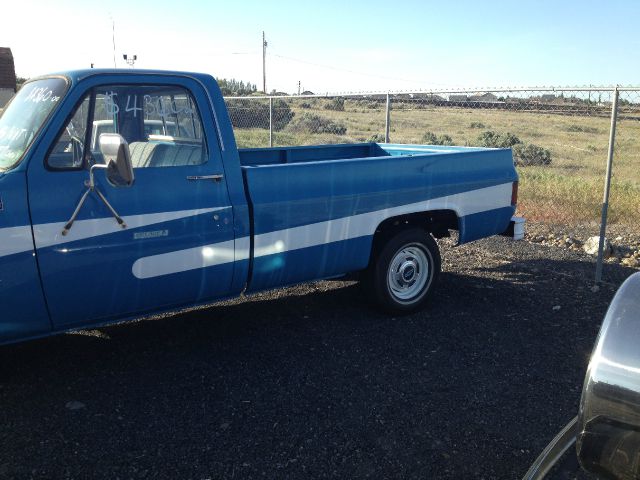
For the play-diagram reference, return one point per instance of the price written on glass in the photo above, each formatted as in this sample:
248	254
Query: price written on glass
41	94
12	134
147	105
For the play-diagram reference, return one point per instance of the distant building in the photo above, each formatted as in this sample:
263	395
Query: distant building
434	98
427	98
7	76
483	97
458	98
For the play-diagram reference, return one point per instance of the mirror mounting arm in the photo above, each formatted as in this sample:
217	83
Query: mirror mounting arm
91	187
91	184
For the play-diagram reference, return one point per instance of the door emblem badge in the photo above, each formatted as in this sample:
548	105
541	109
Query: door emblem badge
153	234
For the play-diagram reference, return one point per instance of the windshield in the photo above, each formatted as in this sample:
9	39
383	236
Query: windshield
25	115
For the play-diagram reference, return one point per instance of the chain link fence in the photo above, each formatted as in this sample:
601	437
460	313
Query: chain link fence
305	120
559	136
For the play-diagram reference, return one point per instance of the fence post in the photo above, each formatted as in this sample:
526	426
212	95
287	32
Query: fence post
607	184
388	120
270	121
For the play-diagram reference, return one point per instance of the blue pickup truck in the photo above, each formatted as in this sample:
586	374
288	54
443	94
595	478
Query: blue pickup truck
122	193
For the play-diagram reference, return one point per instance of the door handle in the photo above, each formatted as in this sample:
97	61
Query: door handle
216	178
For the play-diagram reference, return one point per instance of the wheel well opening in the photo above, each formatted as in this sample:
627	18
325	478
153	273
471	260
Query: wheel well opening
436	222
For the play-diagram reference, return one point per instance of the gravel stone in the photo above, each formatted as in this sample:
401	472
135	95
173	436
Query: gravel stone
313	382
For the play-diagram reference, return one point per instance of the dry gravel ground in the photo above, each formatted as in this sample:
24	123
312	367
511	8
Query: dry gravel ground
312	382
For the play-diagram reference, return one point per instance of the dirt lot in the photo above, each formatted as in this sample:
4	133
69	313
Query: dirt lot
311	382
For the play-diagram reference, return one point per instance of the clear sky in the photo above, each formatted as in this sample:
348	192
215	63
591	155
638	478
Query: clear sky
339	45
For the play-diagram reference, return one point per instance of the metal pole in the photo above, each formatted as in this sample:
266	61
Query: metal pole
388	120
607	184
113	38
271	122
264	63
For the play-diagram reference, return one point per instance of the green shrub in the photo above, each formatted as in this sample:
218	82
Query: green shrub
491	139
524	154
305	105
430	138
530	154
582	128
255	113
376	138
336	103
477	125
312	123
367	104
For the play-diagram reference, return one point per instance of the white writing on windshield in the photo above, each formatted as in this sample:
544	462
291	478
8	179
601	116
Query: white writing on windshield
12	133
41	94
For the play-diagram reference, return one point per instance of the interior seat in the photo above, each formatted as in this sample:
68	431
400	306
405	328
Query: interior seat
151	154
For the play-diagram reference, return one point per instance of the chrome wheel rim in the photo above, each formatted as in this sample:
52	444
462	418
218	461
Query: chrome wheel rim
408	273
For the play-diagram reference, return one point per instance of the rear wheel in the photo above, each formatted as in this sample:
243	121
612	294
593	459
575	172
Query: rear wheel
404	271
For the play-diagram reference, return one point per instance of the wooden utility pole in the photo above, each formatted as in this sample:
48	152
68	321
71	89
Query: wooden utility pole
264	62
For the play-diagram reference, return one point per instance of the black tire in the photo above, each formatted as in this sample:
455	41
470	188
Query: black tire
404	271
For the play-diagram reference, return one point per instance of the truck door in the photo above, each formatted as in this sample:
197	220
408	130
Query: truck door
176	245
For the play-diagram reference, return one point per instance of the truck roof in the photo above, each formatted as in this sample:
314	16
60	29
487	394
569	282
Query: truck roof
77	75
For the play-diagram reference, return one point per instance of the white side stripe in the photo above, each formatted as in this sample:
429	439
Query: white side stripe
184	260
48	234
18	239
314	234
465	203
243	248
15	240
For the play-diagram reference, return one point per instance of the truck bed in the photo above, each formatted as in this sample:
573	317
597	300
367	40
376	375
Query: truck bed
314	210
250	157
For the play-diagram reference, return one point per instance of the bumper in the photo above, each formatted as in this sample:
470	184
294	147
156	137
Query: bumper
515	229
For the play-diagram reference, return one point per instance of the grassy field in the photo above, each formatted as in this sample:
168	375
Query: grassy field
567	191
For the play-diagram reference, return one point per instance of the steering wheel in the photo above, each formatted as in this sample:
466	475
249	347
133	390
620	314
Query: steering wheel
77	145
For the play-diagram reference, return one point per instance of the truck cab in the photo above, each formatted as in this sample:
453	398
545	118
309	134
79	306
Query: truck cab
93	272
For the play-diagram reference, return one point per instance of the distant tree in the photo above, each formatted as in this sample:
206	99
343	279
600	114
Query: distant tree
19	82
234	88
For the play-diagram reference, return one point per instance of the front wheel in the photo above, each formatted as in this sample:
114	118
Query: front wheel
404	271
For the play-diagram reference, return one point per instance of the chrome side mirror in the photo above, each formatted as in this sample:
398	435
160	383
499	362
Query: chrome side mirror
115	150
608	441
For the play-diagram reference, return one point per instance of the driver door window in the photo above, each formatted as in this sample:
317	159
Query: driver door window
161	124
